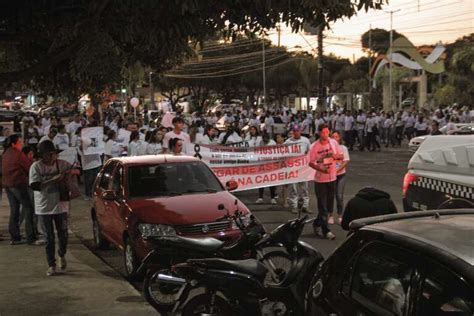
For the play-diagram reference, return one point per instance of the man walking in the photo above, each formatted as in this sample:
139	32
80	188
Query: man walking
297	191
46	175
360	126
323	155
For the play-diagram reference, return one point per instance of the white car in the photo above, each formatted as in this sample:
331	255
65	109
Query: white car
459	129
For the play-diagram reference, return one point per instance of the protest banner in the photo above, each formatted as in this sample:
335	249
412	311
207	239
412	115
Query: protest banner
93	140
256	167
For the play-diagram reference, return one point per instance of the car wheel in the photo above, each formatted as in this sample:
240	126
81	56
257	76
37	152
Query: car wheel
99	241
130	260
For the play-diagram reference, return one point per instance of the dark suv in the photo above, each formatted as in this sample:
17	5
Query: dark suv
419	263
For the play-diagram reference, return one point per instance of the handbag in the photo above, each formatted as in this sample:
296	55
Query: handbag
68	187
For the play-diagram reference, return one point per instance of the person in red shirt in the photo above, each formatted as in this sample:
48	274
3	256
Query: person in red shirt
15	171
323	155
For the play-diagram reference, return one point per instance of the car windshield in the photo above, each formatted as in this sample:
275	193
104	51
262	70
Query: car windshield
171	179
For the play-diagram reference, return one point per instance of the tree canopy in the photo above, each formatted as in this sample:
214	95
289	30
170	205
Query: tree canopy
377	41
73	46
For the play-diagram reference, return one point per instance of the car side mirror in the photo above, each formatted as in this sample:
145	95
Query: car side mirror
231	185
109	195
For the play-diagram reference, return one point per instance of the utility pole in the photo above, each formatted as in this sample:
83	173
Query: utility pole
279	33
320	67
370	59
390	64
152	92
263	73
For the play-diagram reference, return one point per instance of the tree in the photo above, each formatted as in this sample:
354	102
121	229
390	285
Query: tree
308	69
462	73
380	41
446	94
82	45
284	79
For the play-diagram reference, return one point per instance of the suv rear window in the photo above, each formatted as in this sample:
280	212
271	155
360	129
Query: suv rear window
171	179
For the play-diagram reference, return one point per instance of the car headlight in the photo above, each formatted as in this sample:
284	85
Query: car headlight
156	230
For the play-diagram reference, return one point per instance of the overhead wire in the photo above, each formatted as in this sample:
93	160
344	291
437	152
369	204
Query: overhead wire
234	74
243	67
376	19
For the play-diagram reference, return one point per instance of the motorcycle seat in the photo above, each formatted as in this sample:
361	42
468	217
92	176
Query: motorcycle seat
250	266
206	244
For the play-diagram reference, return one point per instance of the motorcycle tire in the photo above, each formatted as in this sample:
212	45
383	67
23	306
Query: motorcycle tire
201	304
160	296
282	262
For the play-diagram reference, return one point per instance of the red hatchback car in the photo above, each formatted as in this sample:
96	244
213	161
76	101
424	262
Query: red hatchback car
158	195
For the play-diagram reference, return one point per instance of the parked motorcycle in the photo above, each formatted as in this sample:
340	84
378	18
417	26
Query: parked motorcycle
241	282
175	249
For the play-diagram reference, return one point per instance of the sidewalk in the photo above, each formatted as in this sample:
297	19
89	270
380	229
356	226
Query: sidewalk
89	287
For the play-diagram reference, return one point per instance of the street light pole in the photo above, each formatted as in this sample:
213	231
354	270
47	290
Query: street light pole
152	92
390	64
263	73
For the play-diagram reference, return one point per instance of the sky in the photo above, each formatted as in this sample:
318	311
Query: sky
421	21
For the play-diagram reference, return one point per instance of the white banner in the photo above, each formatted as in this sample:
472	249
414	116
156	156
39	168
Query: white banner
93	140
256	167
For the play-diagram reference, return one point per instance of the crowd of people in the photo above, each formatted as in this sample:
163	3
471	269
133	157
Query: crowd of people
32	173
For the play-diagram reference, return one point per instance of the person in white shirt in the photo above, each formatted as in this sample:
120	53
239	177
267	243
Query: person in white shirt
74	125
50	136
341	167
269	124
134	144
299	190
76	138
177	132
46	122
230	136
254	121
409	121
253	138
155	145
114	124
210	137
306	126
91	165
229	118
61	140
112	148
387	130
348	134
360	127
339	123
421	127
371	133
266	141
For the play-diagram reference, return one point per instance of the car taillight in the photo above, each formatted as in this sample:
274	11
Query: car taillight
407	180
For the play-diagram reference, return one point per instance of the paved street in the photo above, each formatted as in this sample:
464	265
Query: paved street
89	287
383	170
